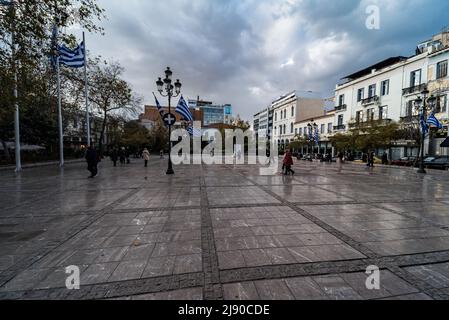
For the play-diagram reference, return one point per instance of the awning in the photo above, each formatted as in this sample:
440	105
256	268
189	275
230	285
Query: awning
445	144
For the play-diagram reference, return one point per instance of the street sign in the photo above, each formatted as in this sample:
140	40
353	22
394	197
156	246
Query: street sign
169	119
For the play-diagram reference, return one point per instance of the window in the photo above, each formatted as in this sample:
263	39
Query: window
323	129
409	109
293	111
359	116
371	91
340	120
415	78
284	129
442	69
291	127
385	88
441	104
276	116
383	113
305	131
370	115
275	130
296	131
341	100
300	131
329	127
285	114
360	94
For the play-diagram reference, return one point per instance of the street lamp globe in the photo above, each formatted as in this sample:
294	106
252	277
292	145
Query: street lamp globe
178	86
168	73
418	103
160	85
432	102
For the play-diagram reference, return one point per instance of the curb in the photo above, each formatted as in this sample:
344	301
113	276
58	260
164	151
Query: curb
42	164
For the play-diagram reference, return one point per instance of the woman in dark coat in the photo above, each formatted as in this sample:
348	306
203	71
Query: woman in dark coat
288	162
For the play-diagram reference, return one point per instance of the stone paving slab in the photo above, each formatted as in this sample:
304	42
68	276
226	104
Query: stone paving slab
224	232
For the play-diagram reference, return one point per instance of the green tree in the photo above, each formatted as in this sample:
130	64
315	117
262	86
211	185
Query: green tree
159	136
135	136
109	93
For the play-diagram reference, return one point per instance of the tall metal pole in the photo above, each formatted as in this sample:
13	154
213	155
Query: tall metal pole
16	114
61	133
15	91
423	138
170	164
86	93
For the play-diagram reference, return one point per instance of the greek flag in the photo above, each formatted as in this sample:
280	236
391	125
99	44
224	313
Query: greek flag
194	132
310	134
159	107
72	58
183	110
424	127
433	121
317	136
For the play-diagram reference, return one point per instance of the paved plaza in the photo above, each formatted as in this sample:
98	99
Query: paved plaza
224	232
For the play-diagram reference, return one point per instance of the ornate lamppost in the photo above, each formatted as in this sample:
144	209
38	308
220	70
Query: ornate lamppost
423	105
171	91
312	127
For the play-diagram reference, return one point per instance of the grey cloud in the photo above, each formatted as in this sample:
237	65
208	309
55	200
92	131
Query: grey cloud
225	50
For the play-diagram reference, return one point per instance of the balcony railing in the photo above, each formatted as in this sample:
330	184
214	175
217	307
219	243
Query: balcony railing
415	89
365	123
370	100
340	127
342	107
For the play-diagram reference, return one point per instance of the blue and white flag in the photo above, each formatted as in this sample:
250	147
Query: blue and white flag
433	121
317	137
72	58
159	107
194	132
310	134
183	110
422	121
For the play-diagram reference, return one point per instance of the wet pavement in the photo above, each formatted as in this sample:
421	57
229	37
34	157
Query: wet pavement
224	232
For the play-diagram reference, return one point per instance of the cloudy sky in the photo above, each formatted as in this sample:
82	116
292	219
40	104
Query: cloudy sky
249	52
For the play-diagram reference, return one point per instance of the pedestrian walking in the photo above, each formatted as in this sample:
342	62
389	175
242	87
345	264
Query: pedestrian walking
371	156
114	157
146	156
162	154
92	159
288	163
122	156
385	159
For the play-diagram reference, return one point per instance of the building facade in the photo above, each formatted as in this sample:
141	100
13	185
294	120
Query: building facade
289	109
212	113
387	91
325	126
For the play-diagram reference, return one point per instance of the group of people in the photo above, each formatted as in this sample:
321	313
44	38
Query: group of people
93	158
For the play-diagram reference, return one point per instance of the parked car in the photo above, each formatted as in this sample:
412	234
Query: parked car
404	162
440	163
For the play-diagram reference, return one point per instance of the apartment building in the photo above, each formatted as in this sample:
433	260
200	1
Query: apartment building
388	90
291	108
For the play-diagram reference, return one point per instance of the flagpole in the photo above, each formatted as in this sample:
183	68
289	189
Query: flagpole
86	93
61	133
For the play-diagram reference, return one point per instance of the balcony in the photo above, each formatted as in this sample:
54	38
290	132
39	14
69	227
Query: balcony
370	100
340	127
340	108
415	89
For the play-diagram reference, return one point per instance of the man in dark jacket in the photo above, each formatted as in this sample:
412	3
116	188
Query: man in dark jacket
92	160
114	157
